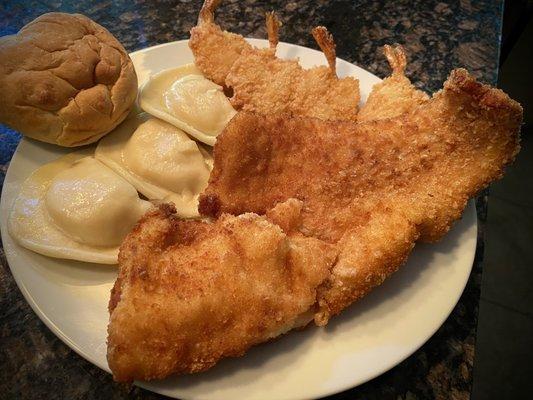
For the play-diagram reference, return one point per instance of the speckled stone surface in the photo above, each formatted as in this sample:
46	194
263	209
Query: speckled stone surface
438	36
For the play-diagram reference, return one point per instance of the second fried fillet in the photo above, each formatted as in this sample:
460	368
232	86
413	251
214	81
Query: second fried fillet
396	94
371	188
190	293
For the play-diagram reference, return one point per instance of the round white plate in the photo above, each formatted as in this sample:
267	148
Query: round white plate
368	339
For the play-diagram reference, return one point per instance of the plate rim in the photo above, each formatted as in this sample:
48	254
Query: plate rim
470	208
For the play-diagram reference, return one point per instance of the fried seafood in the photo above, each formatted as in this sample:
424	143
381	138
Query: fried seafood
189	292
312	210
396	94
265	84
214	50
273	24
372	188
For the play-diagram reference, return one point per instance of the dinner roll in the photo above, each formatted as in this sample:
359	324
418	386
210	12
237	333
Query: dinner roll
64	79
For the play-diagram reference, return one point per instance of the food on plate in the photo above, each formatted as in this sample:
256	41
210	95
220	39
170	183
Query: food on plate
310	204
272	24
75	208
214	50
65	80
396	94
189	293
373	188
265	84
159	160
184	98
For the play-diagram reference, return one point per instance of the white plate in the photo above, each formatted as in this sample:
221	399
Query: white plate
368	339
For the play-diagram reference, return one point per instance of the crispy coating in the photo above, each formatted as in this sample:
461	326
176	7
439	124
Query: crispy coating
367	254
214	50
189	292
259	72
396	94
265	84
372	188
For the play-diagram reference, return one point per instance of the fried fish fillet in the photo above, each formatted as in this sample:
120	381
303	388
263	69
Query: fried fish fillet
371	188
265	84
396	94
189	292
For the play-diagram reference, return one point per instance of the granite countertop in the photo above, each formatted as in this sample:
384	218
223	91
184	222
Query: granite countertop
438	36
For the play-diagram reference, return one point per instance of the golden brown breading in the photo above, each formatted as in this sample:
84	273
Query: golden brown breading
214	50
189	292
373	188
396	94
260	68
265	84
367	255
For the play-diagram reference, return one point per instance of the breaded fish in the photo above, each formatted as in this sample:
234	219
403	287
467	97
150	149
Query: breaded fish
371	188
189	292
396	94
266	84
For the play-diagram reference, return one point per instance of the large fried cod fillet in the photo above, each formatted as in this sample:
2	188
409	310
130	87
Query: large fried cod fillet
374	188
189	292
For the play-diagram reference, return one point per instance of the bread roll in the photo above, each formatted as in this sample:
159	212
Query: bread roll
64	79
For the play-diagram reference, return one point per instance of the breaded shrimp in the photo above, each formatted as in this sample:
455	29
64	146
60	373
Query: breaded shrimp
396	94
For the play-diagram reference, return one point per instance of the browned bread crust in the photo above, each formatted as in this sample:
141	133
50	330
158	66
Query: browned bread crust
65	80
